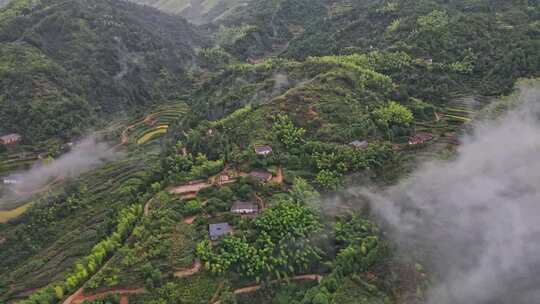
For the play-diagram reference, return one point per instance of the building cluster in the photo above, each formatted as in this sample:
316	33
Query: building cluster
220	230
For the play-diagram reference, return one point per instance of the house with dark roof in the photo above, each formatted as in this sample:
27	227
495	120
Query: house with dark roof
420	138
10	139
244	208
359	144
219	230
262	176
263	150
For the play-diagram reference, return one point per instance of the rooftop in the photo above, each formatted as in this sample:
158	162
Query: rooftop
262	175
244	206
217	230
9	138
263	149
362	144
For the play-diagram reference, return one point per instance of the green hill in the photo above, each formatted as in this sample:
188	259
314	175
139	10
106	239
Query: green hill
68	64
196	11
277	105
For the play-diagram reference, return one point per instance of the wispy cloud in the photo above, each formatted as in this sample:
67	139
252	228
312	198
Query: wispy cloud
476	219
84	156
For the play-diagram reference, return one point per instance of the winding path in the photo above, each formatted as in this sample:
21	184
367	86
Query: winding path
78	297
183	273
256	287
189	188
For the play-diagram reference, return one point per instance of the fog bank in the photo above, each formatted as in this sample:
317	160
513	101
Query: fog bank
476	219
84	156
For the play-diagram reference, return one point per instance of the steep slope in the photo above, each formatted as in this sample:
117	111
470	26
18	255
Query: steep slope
196	11
66	64
263	28
478	45
481	46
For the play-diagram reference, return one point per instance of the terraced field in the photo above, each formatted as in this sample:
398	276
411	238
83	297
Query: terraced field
106	189
154	125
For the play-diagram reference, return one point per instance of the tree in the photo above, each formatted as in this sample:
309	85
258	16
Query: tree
303	193
281	246
328	179
361	243
286	133
435	22
59	292
227	297
215	205
191	207
226	194
394	119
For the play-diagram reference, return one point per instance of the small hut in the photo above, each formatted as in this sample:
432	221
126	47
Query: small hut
262	176
244	208
10	139
263	150
359	144
219	230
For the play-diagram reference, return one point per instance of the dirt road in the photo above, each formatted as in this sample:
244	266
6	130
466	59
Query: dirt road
190	188
79	297
190	271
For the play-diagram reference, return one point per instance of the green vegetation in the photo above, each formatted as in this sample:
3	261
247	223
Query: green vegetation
471	44
278	246
66	67
334	89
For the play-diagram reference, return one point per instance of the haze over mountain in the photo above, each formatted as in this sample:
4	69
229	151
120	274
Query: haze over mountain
196	11
218	142
66	64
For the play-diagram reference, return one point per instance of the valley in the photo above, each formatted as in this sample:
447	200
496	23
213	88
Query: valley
252	153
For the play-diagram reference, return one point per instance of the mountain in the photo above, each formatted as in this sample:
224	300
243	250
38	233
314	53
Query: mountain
196	11
482	45
307	115
68	64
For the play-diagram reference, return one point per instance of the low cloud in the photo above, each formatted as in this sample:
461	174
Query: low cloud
475	220
84	156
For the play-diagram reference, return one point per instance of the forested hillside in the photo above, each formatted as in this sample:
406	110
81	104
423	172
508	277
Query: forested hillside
475	46
240	144
67	64
196	11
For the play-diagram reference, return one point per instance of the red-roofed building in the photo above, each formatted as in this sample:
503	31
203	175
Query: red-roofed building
10	139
